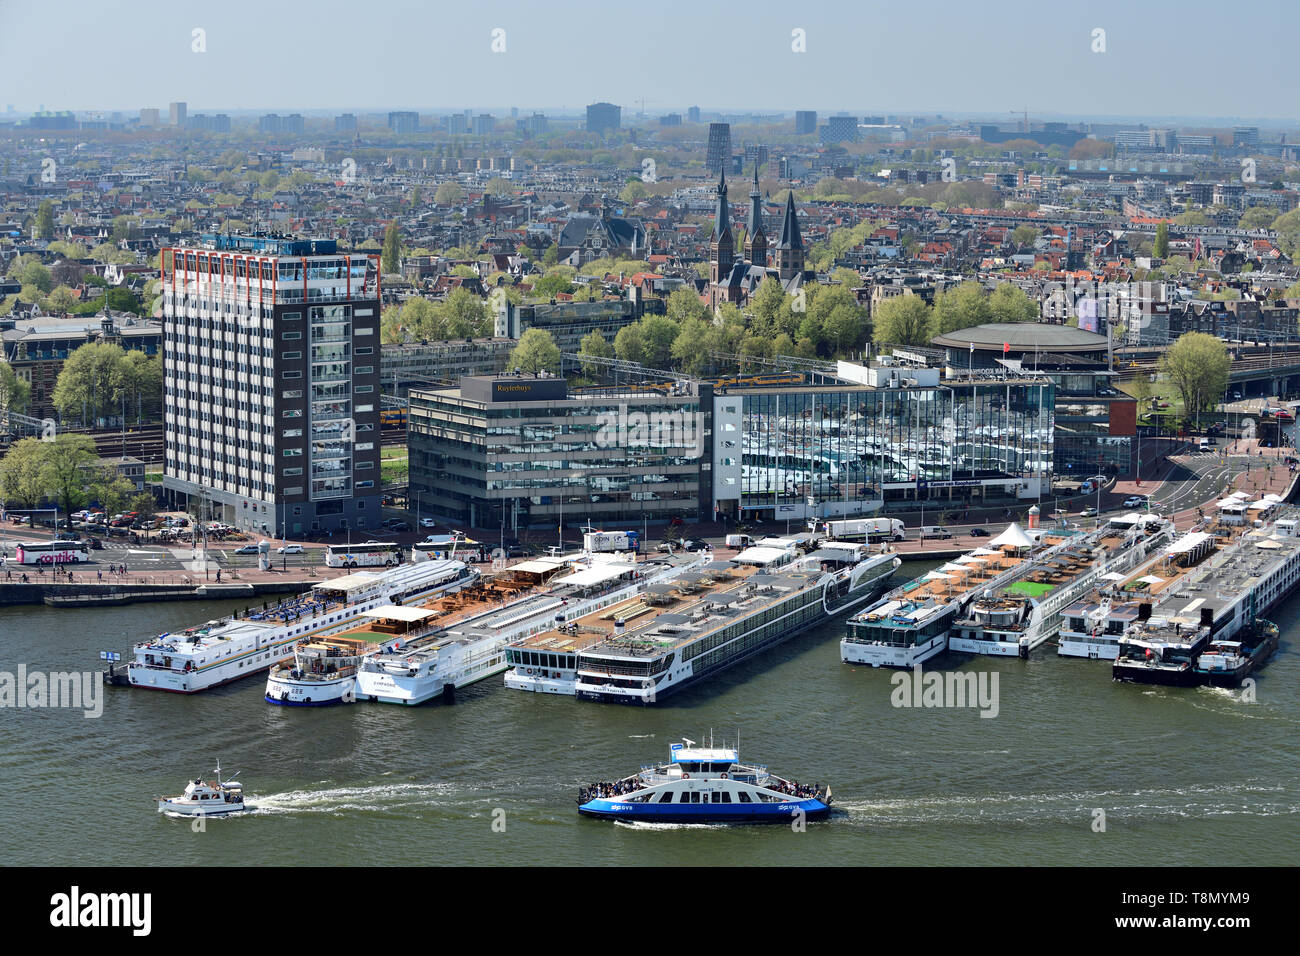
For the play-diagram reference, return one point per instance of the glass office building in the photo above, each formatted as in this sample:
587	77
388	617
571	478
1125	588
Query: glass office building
820	451
520	452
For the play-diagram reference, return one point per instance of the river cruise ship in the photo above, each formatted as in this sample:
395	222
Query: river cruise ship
1209	600
1013	619
461	639
910	624
696	623
218	652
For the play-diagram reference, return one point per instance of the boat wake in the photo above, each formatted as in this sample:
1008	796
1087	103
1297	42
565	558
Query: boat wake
1039	808
384	797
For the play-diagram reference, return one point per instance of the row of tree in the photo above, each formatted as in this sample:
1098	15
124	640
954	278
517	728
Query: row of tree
908	320
66	472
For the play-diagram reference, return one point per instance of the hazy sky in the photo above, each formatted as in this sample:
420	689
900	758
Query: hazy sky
1191	58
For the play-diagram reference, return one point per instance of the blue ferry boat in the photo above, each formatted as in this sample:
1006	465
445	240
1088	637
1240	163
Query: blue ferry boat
705	785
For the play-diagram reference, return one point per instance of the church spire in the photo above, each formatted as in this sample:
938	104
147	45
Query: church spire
790	238
756	236
722	218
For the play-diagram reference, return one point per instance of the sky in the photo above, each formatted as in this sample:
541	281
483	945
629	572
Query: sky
1190	59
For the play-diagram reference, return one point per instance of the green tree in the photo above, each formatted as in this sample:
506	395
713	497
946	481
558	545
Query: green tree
43	227
63	471
34	274
536	352
902	320
106	485
1161	247
690	349
553	283
20	472
89	386
141	382
658	333
1025	235
1257	217
1287	227
465	316
61	299
595	345
449	194
551	256
15	393
961	307
634	191
771	308
684	304
392	254
1009	303
1198	366
629	343
1193	217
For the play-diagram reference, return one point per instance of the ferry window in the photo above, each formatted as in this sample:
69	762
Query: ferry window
666	797
726	797
717	797
744	797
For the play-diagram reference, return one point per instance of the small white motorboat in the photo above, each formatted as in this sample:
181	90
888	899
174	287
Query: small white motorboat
206	799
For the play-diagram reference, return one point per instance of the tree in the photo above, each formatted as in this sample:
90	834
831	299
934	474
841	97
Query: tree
902	320
1287	227
63	471
391	256
634	191
1198	366
553	283
594	344
20	472
771	308
465	316
43	227
551	256
1009	303
961	307
536	352
691	347
629	343
449	194
658	333
1161	248
61	299
34	274
90	384
15	392
1025	235
141	381
110	488
1257	217
1193	217
684	304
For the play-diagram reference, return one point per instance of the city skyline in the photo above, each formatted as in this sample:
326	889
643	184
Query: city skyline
979	58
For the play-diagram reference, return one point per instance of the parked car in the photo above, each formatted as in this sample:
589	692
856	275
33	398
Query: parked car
1135	501
399	526
517	551
695	544
978	533
428	523
289	549
1087	512
666	547
247	549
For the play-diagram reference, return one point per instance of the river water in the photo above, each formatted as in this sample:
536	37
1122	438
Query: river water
1183	776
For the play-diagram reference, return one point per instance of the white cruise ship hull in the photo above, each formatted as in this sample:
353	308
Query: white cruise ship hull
1075	647
886	655
394	686
316	693
769	635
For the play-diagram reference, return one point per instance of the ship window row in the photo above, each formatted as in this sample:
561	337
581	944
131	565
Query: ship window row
536	659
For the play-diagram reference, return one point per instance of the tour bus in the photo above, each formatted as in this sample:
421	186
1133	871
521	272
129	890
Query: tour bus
51	552
370	554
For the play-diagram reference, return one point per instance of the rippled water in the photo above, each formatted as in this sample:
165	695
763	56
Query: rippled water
1183	776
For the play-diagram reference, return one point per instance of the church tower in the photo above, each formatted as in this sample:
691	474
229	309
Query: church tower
756	243
723	247
789	248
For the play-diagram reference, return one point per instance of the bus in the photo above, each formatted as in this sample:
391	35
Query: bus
434	546
370	554
51	552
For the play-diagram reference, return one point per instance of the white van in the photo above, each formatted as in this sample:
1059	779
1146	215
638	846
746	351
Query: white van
1203	444
934	531
738	541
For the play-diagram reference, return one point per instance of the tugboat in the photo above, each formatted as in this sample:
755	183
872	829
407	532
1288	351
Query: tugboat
214	798
1228	663
704	785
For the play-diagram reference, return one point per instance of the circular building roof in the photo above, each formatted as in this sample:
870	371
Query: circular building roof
1022	337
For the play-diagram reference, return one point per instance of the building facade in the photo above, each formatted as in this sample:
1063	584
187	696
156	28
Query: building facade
271	381
522	451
